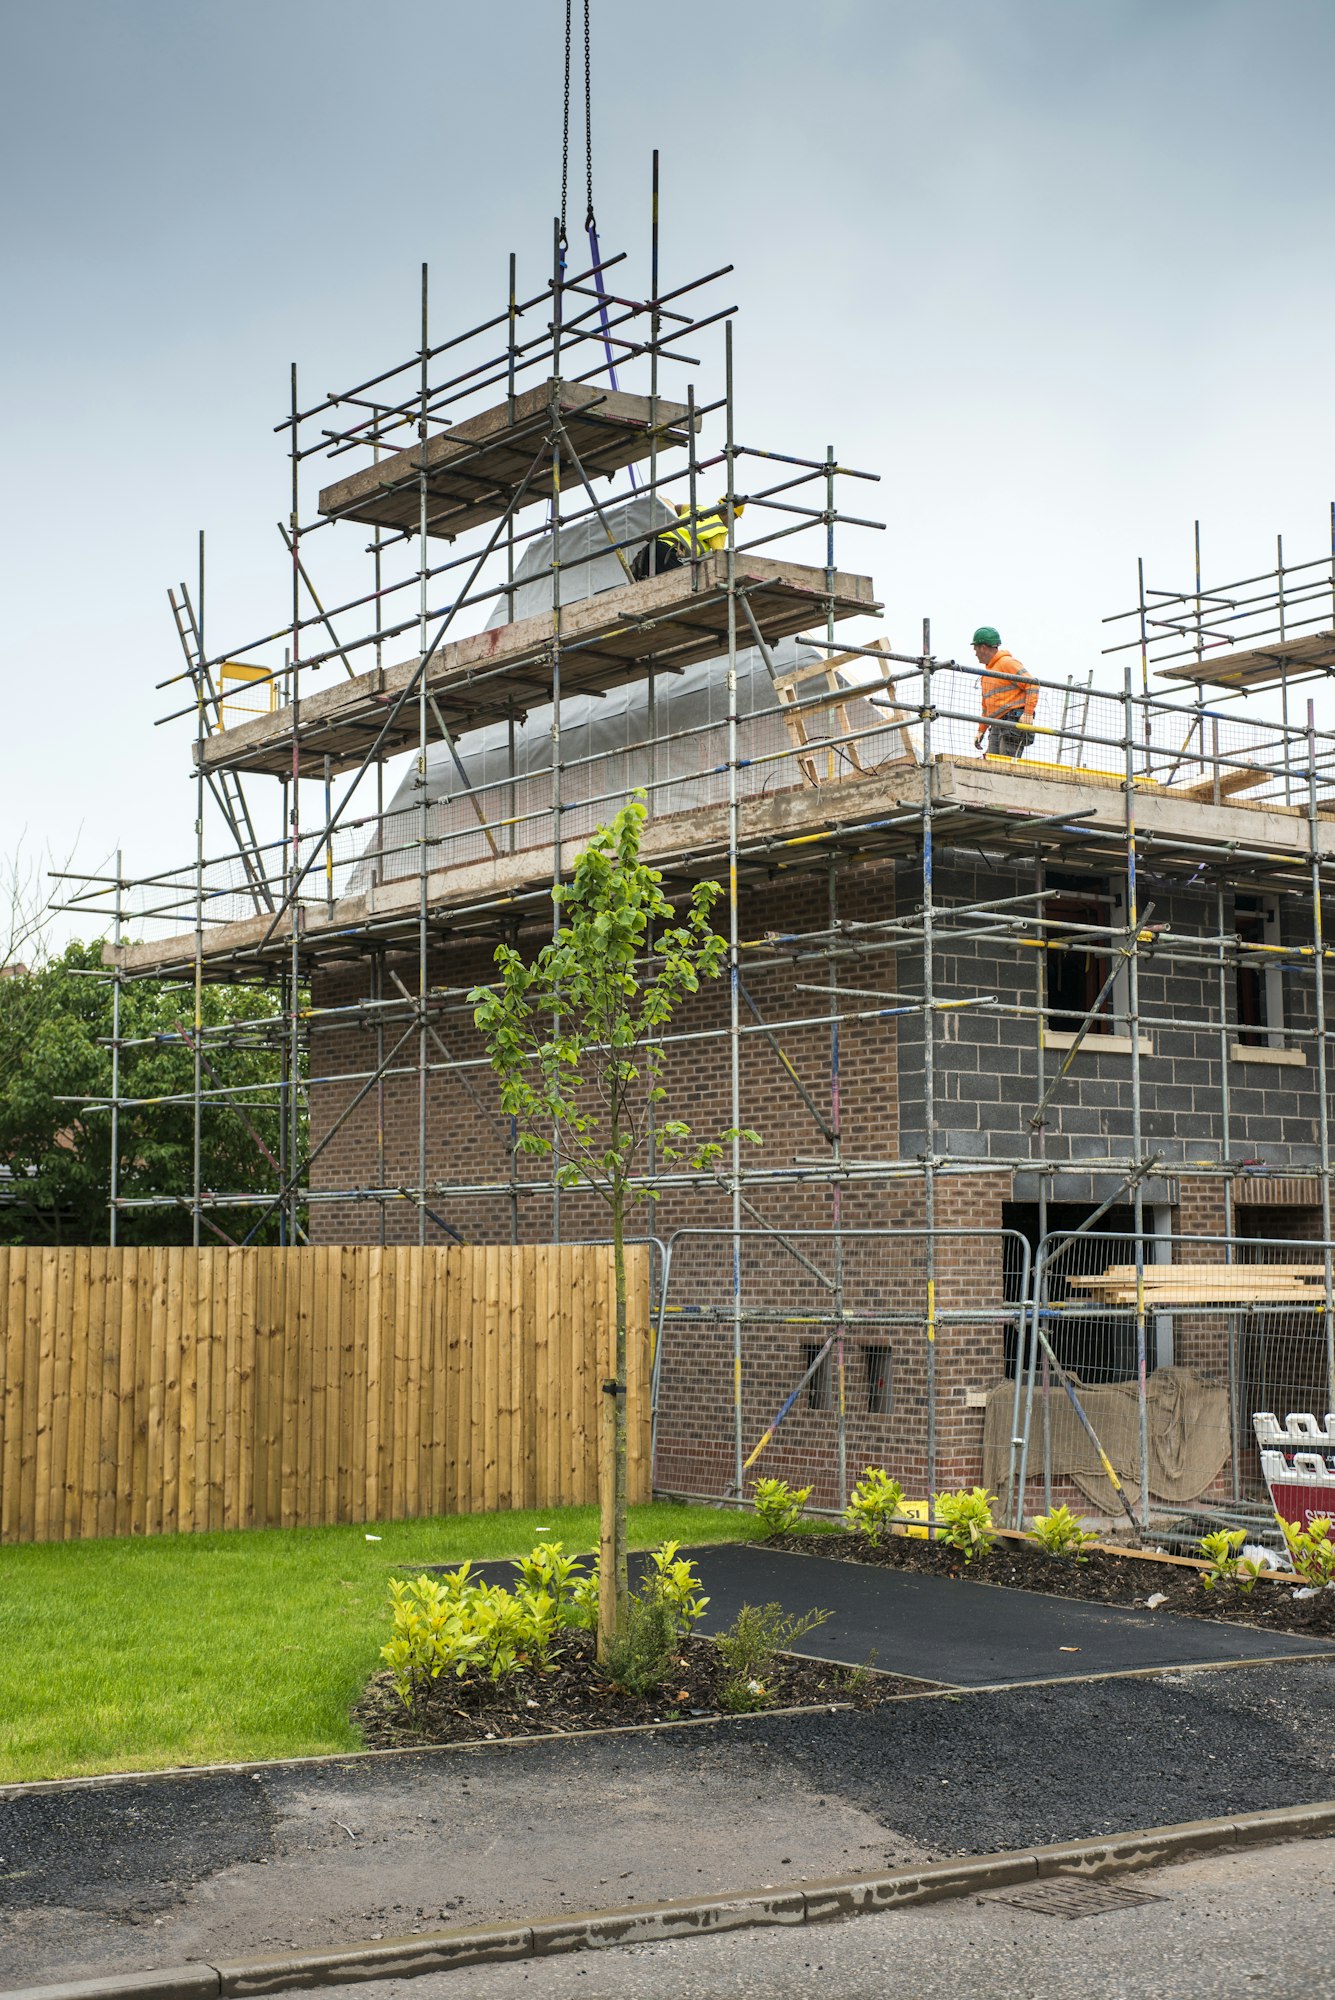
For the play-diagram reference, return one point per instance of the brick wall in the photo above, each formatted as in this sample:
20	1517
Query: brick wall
466	1136
987	1087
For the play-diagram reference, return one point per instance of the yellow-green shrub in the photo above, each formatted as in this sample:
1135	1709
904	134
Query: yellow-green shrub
779	1506
1311	1550
873	1505
1061	1534
965	1520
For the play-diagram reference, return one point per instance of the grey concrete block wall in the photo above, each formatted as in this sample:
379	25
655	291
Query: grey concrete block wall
987	1061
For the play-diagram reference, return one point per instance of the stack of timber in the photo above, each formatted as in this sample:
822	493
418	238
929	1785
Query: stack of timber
1236	1285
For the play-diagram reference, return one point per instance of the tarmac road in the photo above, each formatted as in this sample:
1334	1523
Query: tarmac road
1258	1923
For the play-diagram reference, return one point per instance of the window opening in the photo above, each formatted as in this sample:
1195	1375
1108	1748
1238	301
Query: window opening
1259	995
876	1360
820	1389
1077	966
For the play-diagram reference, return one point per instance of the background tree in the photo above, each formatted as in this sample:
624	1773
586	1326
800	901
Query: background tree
576	1038
55	1026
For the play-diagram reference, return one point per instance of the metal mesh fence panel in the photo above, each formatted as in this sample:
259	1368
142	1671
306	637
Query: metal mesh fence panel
830	1351
1156	1355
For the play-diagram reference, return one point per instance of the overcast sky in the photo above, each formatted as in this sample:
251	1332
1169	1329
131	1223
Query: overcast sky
1060	271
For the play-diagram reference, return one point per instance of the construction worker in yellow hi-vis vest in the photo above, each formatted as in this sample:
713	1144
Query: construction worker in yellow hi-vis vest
677	544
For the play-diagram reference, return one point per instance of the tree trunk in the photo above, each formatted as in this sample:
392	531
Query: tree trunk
614	1581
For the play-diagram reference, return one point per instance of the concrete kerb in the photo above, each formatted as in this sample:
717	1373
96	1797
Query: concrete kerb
806	1902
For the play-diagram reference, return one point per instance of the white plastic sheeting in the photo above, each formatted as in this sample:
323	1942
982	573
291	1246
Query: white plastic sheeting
668	734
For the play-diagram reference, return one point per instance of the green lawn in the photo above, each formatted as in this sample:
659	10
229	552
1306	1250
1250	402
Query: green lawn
197	1649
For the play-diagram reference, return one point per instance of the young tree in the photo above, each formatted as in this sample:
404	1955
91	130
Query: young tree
576	1038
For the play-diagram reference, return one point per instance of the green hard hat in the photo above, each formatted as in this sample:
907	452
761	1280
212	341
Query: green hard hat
987	635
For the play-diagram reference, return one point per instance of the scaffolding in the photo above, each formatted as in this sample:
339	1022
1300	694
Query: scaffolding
771	748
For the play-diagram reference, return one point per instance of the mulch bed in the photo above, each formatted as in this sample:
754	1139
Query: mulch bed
575	1697
1102	1578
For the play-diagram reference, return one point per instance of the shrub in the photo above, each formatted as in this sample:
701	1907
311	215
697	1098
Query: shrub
583	1603
643	1652
873	1505
779	1506
660	1616
457	1625
749	1648
966	1521
1061	1534
548	1569
431	1636
675	1581
1223	1551
1311	1550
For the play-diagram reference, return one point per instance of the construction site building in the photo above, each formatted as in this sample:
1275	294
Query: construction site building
1036	1048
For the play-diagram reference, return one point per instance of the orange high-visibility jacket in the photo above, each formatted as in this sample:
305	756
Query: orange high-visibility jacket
1009	689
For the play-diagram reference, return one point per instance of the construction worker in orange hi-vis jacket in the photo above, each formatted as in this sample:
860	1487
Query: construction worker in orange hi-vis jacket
1010	697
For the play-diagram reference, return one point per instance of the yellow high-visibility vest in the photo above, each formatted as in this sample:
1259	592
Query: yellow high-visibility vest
711	531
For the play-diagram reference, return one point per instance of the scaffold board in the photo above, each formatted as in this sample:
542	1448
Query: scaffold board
475	469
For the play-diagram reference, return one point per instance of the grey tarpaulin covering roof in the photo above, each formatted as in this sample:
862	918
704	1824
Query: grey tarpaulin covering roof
600	722
690	705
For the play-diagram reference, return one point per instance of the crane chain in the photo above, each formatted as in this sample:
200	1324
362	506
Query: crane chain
565	129
589	220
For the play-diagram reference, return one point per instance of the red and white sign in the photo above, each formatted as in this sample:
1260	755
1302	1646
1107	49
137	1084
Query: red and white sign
1298	1462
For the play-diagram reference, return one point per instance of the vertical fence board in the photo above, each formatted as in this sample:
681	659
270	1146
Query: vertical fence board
183	1345
302	1272
32	1365
532	1361
351	1305
436	1385
89	1490
412	1388
46	1389
11	1444
70	1494
638	1324
474	1476
498	1401
145	1307
340	1304
581	1276
109	1400
215	1292
63	1305
227	1311
557	1308
457	1415
331	1279
86	1493
487	1496
374	1334
130	1307
277	1348
241	1291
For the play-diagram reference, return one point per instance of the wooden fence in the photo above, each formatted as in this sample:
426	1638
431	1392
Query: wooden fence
146	1392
